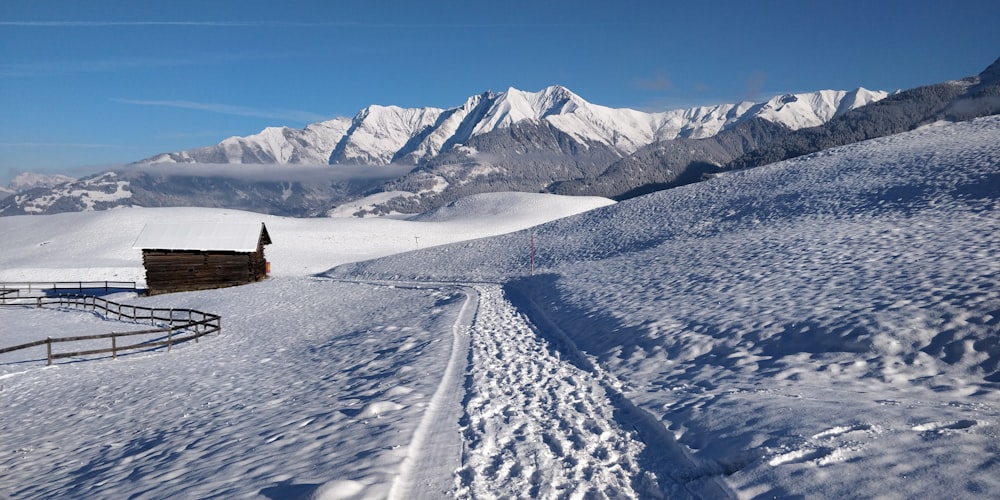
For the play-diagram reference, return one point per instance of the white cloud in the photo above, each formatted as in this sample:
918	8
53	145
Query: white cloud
229	109
56	145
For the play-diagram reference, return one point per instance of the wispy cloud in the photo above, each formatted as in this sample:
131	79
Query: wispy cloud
48	68
73	66
279	24
103	24
81	145
754	85
659	82
228	109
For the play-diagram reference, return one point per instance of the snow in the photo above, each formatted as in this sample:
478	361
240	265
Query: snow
87	197
190	235
379	132
53	251
29	180
821	327
382	135
366	203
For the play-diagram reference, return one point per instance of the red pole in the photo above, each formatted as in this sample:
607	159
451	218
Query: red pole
532	253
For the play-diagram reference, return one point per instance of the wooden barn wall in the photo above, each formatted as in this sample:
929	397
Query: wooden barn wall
172	271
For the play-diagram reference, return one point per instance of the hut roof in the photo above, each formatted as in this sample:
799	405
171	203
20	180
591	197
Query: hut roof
207	236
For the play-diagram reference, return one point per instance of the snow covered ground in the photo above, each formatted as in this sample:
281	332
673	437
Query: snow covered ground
92	246
827	327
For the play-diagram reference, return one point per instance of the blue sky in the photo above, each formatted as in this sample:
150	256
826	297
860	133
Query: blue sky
89	84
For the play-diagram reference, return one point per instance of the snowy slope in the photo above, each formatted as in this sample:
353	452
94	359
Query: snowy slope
29	180
379	135
93	193
824	326
821	327
311	145
98	245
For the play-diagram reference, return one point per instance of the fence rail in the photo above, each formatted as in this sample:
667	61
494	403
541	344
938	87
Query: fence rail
80	286
183	325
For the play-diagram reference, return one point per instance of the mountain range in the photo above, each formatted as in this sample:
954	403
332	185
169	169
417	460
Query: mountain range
411	160
380	135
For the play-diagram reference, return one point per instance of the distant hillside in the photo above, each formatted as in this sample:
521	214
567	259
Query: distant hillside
667	164
756	142
949	101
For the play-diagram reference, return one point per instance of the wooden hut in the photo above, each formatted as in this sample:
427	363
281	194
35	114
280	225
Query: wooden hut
198	256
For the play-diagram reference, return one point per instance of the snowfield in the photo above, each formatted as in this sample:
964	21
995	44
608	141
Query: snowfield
828	326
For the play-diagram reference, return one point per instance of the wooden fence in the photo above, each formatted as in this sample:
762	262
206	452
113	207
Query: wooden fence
182	324
30	287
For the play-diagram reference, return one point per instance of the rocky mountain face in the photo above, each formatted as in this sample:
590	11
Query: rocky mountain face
666	164
548	141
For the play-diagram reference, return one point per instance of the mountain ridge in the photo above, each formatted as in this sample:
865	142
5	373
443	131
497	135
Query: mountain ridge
549	141
381	135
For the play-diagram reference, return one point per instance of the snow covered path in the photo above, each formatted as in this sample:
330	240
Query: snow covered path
535	426
499	408
542	424
433	452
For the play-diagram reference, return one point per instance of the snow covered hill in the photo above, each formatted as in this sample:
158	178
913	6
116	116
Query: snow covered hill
821	327
379	135
27	181
824	326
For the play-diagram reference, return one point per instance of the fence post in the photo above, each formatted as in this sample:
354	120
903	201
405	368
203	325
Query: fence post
48	343
170	338
114	346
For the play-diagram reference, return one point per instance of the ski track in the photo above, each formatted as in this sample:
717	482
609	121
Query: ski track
433	448
535	425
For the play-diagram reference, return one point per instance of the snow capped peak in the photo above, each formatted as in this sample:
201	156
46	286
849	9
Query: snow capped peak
548	101
815	108
379	135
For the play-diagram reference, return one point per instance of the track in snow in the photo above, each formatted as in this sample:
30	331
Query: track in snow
432	453
540	419
539	425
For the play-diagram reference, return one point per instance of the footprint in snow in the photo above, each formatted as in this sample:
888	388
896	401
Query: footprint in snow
841	430
801	456
944	426
832	445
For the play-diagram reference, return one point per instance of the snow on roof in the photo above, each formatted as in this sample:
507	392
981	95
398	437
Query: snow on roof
238	237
